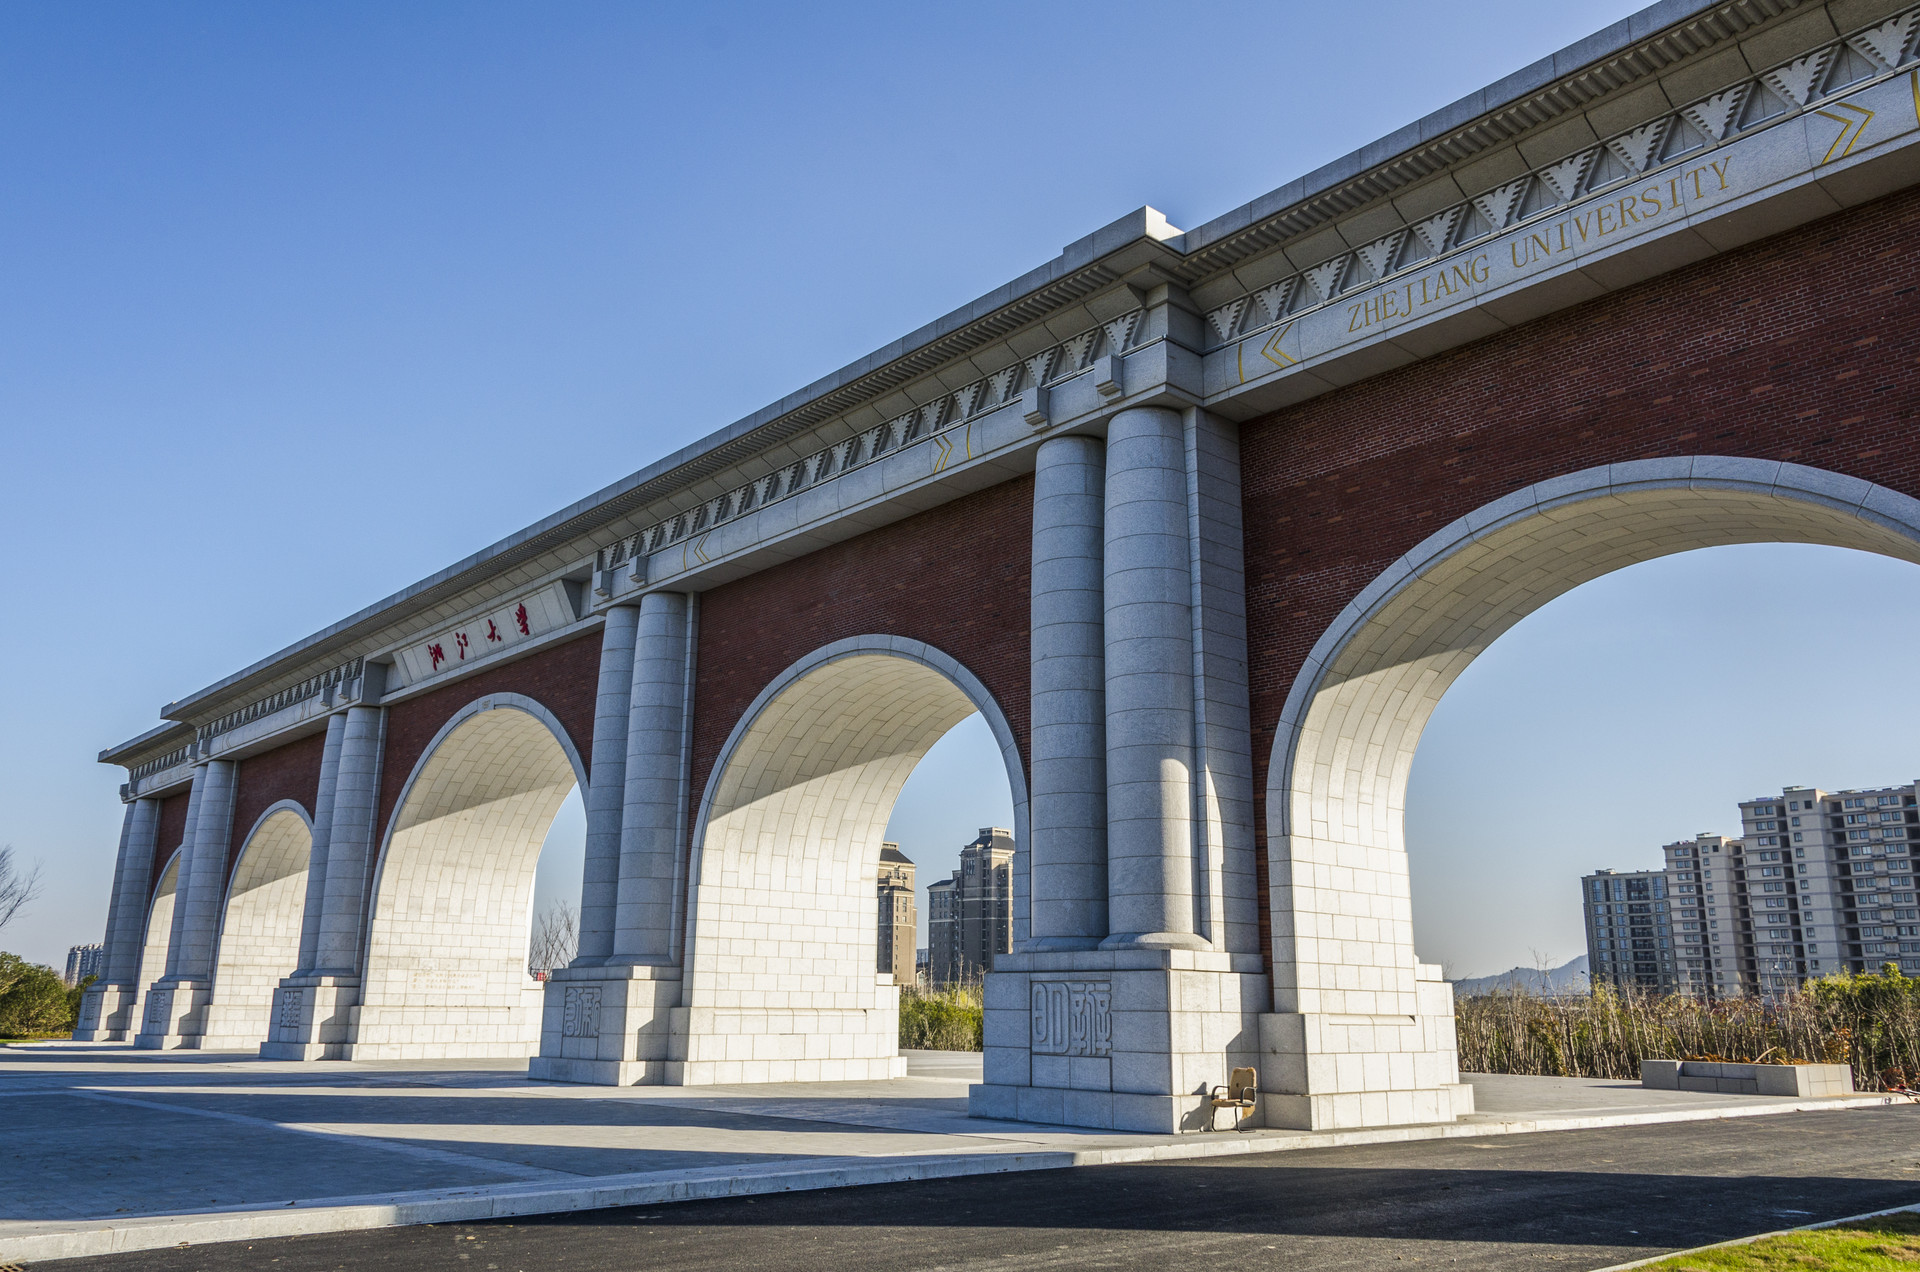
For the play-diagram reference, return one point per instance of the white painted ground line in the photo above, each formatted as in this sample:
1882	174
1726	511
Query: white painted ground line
1758	1236
499	1201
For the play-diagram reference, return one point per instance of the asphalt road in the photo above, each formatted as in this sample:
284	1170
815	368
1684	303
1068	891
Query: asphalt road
1565	1200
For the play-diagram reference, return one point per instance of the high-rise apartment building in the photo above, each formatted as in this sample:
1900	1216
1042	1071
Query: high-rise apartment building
970	916
84	961
1629	936
943	931
1825	883
899	916
1818	881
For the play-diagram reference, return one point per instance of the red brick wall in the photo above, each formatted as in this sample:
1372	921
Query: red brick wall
173	831
287	772
564	679
1805	347
955	577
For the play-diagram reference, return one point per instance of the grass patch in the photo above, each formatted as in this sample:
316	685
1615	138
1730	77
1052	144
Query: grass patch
1890	1243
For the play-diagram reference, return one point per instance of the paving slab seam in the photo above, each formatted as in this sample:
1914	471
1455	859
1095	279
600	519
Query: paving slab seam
1758	1236
444	1157
498	1201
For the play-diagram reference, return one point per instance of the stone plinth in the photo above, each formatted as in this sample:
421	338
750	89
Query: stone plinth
1122	1039
609	1025
106	1013
176	1015
312	1019
1331	1071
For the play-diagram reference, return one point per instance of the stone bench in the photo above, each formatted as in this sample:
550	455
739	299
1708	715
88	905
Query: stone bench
1727	1078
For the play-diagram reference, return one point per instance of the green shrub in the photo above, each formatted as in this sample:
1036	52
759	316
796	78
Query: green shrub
942	1019
34	1001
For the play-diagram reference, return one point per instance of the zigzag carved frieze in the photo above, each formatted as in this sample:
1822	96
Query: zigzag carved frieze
1800	85
160	763
1051	366
312	687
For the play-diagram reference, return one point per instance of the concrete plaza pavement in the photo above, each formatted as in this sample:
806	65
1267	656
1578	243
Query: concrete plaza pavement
109	1148
1517	1203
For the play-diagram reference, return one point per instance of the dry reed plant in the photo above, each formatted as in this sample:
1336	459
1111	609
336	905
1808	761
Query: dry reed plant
1868	1020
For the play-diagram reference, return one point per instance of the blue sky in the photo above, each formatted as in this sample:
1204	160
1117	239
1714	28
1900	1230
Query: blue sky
300	303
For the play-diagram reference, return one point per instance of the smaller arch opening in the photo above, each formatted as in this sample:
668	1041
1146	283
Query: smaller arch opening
259	940
153	951
782	979
447	945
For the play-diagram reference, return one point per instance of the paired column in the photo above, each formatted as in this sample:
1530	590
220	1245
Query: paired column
656	772
1133	994
176	1003
1113	859
312	1009
607	787
350	842
1067	810
196	916
608	1015
322	839
1149	685
105	1011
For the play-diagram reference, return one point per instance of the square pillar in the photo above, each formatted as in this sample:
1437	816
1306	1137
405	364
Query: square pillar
1324	1071
609	1025
177	1002
1127	1040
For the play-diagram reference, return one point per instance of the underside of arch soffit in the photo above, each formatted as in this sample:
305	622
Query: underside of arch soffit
1464	601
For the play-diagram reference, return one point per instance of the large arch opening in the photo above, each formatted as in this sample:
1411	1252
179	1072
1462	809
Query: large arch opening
259	941
1343	937
1634	714
782	983
447	940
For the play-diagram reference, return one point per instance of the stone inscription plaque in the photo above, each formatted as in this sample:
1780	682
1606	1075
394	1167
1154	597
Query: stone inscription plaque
1073	1018
580	1012
159	1010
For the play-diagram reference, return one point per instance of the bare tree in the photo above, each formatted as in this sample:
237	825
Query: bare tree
17	888
556	939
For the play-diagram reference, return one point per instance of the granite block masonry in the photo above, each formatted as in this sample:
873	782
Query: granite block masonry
1201	523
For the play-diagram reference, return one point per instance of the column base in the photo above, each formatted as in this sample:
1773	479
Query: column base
607	1025
312	1018
1117	1039
175	1016
1323	1071
106	1013
1104	1110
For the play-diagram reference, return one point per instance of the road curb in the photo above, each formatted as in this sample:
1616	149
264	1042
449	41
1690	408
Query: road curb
499	1201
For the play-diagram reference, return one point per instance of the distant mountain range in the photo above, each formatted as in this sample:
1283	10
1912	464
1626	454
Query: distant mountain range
1568	978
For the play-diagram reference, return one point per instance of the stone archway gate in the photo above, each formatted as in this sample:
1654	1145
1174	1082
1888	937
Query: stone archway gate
1210	517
